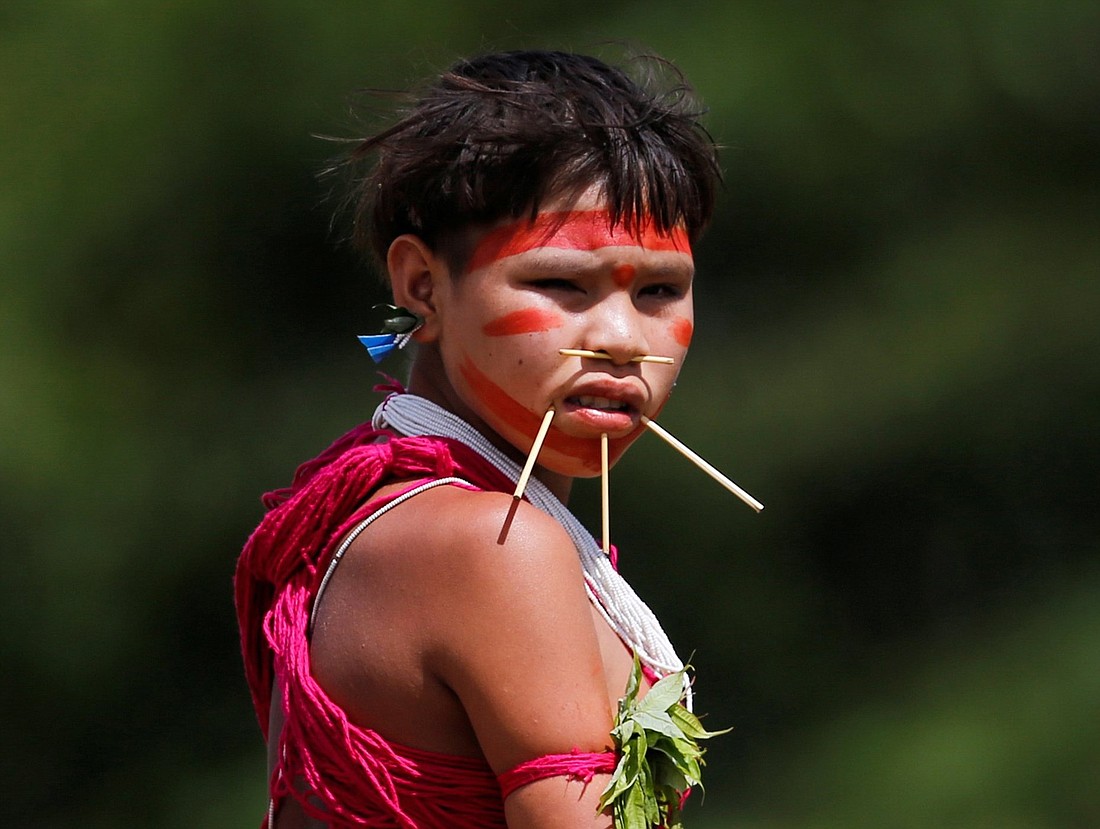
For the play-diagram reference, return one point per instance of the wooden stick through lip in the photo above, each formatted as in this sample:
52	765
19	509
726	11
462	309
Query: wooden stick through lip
605	495
702	464
603	355
534	454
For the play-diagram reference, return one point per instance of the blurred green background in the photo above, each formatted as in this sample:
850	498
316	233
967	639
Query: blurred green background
897	351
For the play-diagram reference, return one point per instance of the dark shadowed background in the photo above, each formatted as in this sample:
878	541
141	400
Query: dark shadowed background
897	351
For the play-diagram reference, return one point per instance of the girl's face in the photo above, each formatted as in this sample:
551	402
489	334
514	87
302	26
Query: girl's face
567	280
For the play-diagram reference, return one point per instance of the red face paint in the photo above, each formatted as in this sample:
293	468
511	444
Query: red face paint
524	321
623	275
526	423
575	230
682	329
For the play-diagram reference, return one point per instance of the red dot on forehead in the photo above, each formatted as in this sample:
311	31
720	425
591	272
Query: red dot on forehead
623	275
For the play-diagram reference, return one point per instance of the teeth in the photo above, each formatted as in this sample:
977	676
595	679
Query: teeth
601	403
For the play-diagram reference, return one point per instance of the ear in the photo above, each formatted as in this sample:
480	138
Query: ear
417	277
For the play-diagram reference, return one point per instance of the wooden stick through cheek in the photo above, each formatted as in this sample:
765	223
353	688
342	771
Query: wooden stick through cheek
525	475
702	464
534	453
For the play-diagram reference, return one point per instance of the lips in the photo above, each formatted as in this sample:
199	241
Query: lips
620	394
604	406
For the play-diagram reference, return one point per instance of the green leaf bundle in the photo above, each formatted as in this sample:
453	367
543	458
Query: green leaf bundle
657	739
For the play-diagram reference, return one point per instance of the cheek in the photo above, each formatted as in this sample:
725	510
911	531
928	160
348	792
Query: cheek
682	330
524	321
498	401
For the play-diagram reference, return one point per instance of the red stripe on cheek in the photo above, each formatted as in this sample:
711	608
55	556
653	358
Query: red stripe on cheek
526	423
514	415
524	321
682	329
623	275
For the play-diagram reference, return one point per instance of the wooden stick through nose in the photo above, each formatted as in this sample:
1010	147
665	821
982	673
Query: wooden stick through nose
603	355
702	464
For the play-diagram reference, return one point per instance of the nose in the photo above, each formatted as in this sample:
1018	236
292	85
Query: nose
616	327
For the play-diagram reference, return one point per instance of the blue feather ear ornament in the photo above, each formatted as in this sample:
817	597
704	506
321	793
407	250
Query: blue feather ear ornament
397	329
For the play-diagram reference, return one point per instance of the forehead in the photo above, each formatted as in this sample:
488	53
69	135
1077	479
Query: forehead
581	230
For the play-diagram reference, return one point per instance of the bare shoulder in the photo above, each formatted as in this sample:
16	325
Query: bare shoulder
481	560
449	558
481	533
450	537
508	626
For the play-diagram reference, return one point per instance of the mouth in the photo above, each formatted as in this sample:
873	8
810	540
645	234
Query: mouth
599	413
605	404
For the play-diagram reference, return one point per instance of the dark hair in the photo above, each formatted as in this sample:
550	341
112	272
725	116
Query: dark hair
496	136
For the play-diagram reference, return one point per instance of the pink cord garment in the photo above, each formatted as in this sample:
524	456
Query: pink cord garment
576	765
337	771
298	534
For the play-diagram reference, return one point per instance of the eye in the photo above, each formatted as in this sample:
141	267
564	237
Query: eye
555	283
662	290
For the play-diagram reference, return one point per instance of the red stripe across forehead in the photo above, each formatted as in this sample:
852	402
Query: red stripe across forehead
575	230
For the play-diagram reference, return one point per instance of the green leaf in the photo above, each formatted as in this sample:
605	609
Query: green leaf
689	767
635	756
635	809
661	723
395	319
399	325
649	792
634	682
618	784
666	693
628	728
667	774
690	724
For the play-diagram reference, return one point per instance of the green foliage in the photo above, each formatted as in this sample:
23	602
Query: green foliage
657	740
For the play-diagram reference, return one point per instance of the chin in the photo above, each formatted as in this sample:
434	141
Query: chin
579	457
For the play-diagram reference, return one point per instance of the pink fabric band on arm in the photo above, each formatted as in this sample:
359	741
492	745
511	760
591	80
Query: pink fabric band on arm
576	765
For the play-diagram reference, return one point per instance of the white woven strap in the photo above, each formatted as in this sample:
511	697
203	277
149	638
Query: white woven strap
366	522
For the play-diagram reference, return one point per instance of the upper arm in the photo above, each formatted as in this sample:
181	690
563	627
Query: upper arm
512	635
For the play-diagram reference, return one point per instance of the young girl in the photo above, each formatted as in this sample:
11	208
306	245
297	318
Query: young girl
423	649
